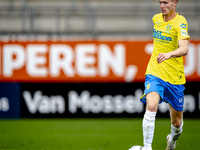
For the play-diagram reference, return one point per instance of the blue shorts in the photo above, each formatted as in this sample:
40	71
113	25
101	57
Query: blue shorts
169	93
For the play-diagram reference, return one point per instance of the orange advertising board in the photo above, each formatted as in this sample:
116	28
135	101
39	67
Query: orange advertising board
84	61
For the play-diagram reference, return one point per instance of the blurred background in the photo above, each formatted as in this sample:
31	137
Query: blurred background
87	18
72	73
57	54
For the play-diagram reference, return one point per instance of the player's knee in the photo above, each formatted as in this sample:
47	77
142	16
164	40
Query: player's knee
152	107
152	101
177	123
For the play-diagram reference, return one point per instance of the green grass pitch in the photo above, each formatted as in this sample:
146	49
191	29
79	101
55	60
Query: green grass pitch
90	134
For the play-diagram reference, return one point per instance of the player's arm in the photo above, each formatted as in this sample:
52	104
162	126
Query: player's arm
181	51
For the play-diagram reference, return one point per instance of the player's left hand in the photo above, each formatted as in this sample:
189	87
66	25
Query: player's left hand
163	56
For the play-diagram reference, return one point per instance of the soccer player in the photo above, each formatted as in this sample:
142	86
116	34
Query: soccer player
165	78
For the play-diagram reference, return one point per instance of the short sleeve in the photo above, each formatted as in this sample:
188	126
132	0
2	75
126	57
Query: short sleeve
182	28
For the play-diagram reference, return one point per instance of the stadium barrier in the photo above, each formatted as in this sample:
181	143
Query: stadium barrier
95	100
68	79
84	61
72	100
10	100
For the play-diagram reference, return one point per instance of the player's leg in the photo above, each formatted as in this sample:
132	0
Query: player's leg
153	92
176	117
175	97
176	127
152	101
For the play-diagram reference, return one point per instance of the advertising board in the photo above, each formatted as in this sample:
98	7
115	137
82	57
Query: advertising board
90	78
84	61
96	100
10	100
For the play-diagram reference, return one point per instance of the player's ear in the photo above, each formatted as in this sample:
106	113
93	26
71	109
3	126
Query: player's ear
175	2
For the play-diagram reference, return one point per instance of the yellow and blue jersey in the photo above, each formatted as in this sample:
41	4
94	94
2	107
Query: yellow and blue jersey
165	39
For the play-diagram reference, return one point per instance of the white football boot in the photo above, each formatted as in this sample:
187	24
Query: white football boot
169	145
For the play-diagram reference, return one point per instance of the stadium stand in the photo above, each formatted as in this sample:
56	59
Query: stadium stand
88	18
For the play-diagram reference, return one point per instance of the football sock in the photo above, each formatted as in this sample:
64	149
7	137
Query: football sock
148	129
175	133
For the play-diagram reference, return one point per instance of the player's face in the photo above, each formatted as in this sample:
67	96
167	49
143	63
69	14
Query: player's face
167	6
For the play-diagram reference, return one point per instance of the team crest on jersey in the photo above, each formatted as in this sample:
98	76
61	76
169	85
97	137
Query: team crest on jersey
168	27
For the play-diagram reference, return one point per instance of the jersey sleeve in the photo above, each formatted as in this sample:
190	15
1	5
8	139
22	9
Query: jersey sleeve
155	17
182	28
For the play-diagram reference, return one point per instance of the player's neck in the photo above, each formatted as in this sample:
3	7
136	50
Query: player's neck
169	16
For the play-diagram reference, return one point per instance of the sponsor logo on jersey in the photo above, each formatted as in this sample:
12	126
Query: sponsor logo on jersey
157	23
158	35
184	32
183	25
180	100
